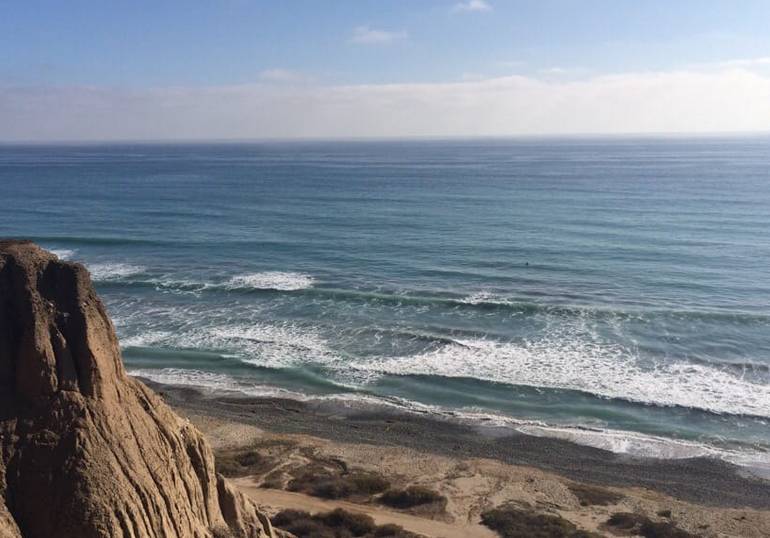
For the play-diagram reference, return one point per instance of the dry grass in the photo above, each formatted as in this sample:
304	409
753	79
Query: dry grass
589	495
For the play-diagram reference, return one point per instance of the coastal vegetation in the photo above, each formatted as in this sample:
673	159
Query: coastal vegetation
325	484
336	524
589	495
510	521
632	524
413	497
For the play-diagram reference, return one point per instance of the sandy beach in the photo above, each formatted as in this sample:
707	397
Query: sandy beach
270	445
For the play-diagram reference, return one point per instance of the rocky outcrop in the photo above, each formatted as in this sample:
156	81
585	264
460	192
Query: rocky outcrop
85	450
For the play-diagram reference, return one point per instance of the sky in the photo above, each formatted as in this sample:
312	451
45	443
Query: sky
257	69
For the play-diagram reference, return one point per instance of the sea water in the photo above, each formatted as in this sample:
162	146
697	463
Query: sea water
613	292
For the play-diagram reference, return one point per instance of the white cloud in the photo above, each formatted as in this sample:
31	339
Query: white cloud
683	101
748	63
370	36
556	71
472	5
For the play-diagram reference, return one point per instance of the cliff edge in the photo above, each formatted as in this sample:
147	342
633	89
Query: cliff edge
85	450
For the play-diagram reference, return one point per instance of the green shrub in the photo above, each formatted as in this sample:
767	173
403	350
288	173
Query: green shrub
644	526
511	522
242	463
326	485
368	483
357	524
411	497
335	524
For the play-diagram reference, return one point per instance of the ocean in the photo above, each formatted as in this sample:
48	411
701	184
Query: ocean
615	292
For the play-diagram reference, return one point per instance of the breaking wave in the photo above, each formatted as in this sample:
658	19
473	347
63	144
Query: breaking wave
102	272
604	370
64	253
271	280
563	359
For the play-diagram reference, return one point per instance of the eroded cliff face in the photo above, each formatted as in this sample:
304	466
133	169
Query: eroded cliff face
85	450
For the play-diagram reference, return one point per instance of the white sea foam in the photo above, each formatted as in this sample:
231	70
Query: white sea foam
272	280
149	338
564	359
637	444
63	253
179	286
484	297
262	344
173	283
113	271
623	442
603	370
271	345
210	381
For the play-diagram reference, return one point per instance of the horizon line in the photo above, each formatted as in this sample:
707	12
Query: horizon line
415	138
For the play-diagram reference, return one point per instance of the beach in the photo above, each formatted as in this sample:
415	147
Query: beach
511	316
438	269
476	469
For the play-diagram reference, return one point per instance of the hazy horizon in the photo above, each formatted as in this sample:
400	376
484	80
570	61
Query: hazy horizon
247	70
534	138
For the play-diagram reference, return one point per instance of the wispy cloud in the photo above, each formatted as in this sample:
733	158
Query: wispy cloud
557	71
472	5
684	100
367	35
554	70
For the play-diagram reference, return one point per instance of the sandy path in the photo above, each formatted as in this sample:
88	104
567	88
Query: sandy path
279	500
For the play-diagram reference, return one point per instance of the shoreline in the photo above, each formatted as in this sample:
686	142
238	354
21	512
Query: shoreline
703	481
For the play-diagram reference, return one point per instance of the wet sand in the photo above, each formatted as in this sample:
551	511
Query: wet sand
703	481
474	469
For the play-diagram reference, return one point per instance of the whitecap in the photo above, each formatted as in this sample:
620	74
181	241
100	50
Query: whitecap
272	280
63	253
179	285
114	271
484	297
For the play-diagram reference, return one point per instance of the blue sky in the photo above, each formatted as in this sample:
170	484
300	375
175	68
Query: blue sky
142	50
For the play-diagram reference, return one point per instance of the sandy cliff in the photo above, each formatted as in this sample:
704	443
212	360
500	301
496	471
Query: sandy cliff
86	451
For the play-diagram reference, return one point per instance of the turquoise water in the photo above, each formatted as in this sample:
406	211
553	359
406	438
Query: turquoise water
612	292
